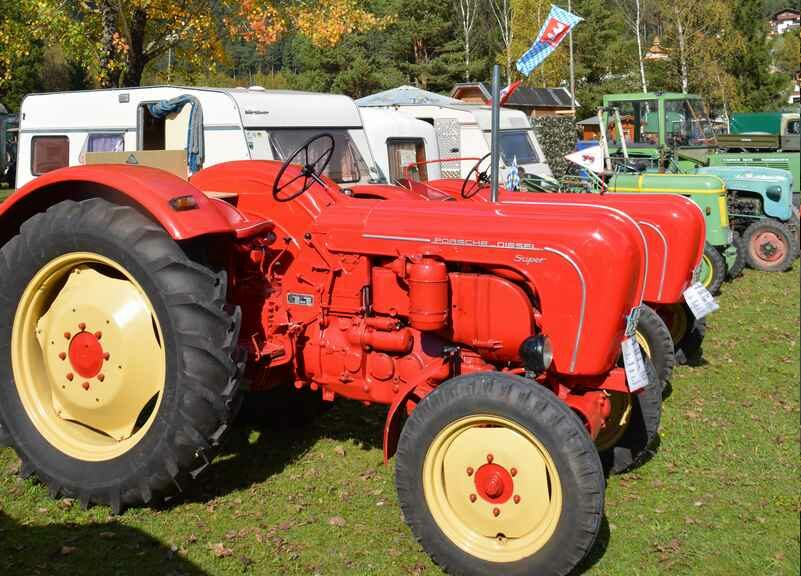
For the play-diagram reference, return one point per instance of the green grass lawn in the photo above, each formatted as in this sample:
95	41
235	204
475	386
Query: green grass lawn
721	497
5	193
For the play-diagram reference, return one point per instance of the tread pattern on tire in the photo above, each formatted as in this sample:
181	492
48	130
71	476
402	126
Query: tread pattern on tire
718	268
657	334
738	266
206	329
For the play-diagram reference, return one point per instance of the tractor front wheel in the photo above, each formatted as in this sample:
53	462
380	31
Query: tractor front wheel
770	246
713	269
119	374
686	330
737	267
496	475
656	343
632	428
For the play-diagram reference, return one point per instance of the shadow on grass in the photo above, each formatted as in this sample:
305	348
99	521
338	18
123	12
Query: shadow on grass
274	430
82	549
597	551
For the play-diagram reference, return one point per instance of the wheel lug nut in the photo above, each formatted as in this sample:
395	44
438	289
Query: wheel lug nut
490	458
70	376
98	335
517	499
469	471
67	335
85	385
101	376
473	497
106	356
62	355
496	512
82	325
513	472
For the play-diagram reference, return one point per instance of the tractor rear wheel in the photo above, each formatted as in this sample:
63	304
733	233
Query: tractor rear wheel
632	428
496	475
713	269
770	246
737	267
120	372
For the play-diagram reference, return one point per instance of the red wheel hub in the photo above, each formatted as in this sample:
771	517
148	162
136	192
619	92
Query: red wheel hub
494	483
86	354
768	246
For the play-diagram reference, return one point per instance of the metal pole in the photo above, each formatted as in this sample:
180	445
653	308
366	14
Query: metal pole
496	120
572	68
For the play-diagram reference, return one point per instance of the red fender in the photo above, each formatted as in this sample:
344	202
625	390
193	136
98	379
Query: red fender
150	189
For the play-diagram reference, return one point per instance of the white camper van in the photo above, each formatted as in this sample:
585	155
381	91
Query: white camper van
463	130
399	141
212	125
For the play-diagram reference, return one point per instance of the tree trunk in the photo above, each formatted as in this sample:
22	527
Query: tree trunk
685	83
466	58
508	65
638	32
137	58
108	77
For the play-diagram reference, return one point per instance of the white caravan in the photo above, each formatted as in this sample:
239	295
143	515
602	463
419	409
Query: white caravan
213	125
463	130
399	141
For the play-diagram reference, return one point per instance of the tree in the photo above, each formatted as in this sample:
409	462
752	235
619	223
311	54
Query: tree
468	10
503	10
632	11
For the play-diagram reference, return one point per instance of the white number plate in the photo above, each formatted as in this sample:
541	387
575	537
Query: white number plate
700	300
636	375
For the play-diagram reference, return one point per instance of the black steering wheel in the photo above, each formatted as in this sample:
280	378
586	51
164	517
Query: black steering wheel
310	170
473	184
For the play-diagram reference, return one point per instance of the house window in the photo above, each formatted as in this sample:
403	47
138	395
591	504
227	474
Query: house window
406	159
49	153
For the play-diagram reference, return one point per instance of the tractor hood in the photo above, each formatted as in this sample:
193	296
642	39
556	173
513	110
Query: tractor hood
773	185
584	268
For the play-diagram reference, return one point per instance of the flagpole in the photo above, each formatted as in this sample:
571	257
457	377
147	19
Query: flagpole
572	68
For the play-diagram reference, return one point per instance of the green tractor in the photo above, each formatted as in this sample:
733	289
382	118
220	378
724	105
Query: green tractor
671	133
8	148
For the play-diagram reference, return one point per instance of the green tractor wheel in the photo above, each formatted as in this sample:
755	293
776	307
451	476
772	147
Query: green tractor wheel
713	269
737	267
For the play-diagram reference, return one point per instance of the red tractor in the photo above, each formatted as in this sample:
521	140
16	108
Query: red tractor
673	229
137	306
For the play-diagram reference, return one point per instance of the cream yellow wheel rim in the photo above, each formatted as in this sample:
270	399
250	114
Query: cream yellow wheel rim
617	422
497	521
643	342
87	356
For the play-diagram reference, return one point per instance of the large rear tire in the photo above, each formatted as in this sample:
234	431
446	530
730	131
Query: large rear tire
770	246
496	475
119	371
687	332
737	267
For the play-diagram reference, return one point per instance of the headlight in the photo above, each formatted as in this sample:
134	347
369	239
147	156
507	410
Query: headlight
774	193
537	353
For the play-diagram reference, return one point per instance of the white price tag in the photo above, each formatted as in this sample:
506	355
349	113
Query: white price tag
700	300
636	374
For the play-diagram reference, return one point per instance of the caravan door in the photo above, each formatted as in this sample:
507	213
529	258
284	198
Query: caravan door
449	141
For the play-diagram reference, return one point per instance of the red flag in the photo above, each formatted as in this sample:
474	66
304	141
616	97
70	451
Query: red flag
506	92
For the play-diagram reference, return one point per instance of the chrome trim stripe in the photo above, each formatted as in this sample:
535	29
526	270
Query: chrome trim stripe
583	303
402	238
664	260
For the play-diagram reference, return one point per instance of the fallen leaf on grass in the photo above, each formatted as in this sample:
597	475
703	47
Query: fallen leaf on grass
67	550
107	535
220	550
339	450
338	521
66	503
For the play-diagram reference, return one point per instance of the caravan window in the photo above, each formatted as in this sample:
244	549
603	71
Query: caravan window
347	165
404	152
49	153
517	144
105	143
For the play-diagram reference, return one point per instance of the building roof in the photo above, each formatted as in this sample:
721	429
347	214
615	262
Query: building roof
786	14
525	96
406	96
591	121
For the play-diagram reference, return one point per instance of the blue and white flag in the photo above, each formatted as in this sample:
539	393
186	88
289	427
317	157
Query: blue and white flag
553	31
513	177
